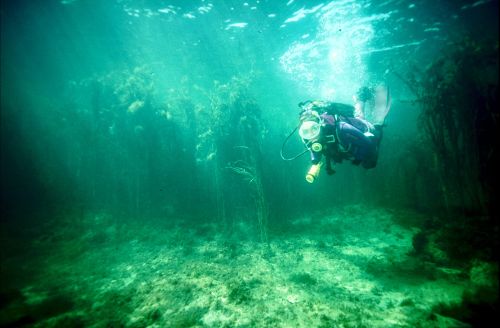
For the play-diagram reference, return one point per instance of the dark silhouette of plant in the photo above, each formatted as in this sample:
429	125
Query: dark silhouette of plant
458	97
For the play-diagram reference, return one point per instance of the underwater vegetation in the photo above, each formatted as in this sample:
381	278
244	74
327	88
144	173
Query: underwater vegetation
458	94
145	188
211	254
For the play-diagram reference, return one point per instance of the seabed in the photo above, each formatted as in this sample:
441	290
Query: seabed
351	267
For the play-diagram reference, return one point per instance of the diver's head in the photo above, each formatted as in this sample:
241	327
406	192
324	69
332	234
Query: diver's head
308	112
306	106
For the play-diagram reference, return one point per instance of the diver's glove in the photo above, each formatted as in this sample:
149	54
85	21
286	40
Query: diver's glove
330	171
365	93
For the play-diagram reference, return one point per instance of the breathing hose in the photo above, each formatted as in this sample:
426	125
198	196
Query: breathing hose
284	144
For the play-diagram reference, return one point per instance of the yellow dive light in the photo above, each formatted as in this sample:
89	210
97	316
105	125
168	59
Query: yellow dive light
316	147
313	172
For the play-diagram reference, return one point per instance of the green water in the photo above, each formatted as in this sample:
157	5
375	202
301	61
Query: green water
142	183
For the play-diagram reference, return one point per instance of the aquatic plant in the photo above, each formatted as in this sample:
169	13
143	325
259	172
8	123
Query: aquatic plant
159	153
420	243
114	137
304	279
479	303
188	317
457	94
249	175
241	292
236	135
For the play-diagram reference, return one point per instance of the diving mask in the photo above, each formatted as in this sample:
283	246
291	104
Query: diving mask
309	130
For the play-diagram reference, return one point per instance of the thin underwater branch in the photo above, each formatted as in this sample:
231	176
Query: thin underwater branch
242	169
248	174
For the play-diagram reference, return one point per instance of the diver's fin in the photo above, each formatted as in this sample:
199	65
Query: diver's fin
388	103
383	102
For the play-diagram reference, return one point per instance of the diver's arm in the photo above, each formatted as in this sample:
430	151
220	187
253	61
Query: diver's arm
315	157
359	108
363	95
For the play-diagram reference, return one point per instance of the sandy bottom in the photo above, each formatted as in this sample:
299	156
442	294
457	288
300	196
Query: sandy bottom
354	267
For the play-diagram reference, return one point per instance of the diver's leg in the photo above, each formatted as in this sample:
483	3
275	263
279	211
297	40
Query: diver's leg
362	147
378	133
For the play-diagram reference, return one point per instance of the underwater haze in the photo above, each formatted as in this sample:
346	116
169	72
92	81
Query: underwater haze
143	185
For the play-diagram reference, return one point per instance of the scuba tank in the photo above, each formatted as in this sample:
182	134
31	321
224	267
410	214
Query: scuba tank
313	172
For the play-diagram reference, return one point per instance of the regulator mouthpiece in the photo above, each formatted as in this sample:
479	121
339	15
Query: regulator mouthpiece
316	147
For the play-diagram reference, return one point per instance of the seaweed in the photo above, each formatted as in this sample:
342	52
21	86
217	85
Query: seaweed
457	95
186	318
241	292
304	279
236	134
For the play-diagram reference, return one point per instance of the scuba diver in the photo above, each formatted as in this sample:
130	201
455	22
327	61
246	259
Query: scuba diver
338	132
